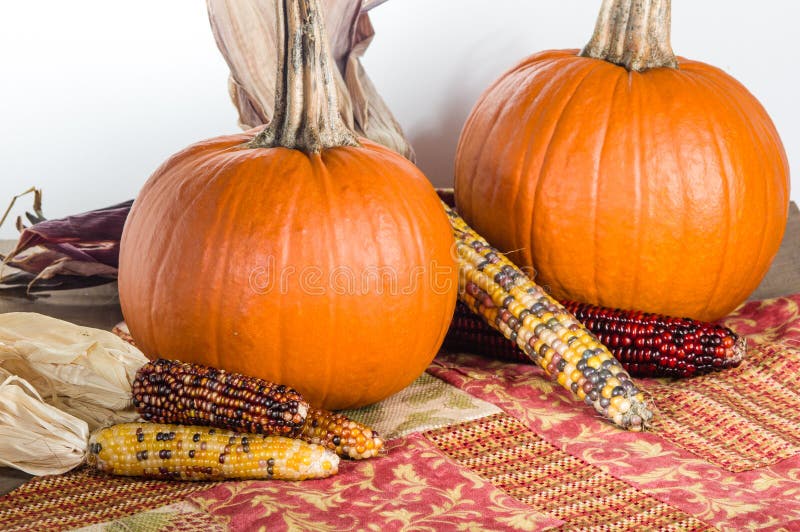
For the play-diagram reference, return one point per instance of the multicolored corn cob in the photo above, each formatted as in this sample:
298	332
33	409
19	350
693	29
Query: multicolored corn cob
178	452
343	436
469	332
553	338
652	345
647	345
167	391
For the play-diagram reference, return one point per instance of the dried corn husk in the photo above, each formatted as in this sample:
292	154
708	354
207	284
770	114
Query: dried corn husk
36	437
83	371
246	34
74	252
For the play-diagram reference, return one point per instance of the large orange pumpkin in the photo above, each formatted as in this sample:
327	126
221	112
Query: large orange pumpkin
297	254
626	177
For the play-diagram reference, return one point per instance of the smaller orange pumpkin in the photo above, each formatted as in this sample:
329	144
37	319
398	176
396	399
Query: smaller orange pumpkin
624	176
298	254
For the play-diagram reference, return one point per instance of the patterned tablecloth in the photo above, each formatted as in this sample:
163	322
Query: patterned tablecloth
479	444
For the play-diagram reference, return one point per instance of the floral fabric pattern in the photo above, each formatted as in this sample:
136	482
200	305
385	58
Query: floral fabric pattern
415	488
766	498
768	321
501	449
740	419
504	448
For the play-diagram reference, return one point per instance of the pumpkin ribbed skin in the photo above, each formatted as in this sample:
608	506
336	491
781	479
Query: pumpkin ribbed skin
219	220
664	191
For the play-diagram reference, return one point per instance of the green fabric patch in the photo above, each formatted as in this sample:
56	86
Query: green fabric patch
427	403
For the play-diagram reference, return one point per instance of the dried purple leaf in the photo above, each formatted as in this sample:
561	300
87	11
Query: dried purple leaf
73	252
81	230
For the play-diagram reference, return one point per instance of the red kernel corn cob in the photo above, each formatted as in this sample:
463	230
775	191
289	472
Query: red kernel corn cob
652	345
493	287
166	391
647	345
469	332
343	436
179	452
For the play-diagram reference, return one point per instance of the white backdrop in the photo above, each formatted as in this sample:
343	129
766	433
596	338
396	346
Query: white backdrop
94	95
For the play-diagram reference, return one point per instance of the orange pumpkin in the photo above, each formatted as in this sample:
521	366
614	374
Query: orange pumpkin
627	177
299	254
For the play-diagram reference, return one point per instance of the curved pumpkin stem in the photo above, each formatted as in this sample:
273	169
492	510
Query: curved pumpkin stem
306	113
634	34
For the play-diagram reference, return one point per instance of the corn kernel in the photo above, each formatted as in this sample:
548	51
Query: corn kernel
210	454
336	432
162	388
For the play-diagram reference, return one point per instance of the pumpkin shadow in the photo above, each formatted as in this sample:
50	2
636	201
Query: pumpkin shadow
435	143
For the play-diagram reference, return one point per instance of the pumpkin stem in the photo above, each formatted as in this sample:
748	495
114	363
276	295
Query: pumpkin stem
634	34
306	115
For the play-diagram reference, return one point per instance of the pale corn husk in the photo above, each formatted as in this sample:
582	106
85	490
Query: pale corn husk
246	34
36	437
83	371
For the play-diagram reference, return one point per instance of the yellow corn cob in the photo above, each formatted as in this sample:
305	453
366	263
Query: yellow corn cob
494	288
154	450
167	391
341	435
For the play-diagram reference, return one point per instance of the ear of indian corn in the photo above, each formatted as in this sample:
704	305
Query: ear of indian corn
493	287
180	452
652	345
345	437
469	332
647	345
166	391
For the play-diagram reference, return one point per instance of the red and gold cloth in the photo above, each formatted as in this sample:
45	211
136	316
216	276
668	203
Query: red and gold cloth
724	454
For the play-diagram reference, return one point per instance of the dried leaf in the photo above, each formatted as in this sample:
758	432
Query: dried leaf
36	437
37	204
246	34
90	236
375	120
85	372
58	381
19	284
68	266
73	252
369	4
34	260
